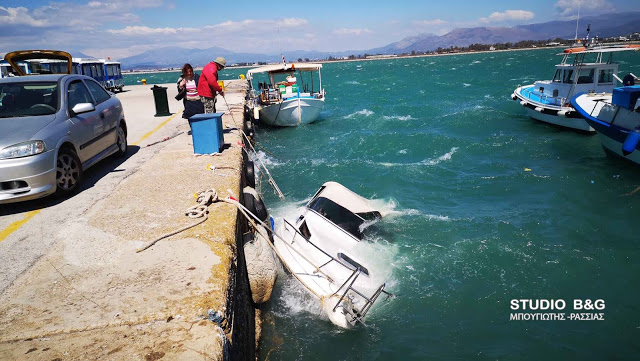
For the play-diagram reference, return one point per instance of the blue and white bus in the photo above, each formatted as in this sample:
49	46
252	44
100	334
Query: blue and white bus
90	67
6	70
113	76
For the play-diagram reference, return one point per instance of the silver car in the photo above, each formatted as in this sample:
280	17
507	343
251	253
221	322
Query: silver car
52	128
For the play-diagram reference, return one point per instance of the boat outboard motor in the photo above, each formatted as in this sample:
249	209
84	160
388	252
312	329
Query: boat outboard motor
631	142
628	80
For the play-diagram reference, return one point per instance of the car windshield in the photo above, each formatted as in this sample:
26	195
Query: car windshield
28	99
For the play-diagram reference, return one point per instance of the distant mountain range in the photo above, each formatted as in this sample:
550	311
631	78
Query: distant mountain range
605	25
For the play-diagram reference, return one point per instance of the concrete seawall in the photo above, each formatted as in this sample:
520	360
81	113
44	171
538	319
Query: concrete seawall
92	296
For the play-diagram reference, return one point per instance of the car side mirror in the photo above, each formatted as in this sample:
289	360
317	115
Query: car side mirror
83	108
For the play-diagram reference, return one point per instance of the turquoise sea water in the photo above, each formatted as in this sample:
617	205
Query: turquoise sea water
438	143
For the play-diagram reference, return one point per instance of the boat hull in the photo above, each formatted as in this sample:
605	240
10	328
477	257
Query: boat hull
598	113
572	123
292	112
549	111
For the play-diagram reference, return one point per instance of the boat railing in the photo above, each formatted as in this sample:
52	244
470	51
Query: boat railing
605	104
548	99
331	258
357	314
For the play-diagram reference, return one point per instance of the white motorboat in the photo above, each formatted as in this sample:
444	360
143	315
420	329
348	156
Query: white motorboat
320	250
616	118
290	95
582	70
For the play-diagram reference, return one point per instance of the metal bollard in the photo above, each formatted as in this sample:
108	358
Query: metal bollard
160	98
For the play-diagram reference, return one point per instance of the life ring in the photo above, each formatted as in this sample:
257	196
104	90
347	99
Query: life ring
575	50
254	203
249	174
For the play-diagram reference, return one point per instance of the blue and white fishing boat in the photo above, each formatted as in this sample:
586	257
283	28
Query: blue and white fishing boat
582	70
616	118
291	94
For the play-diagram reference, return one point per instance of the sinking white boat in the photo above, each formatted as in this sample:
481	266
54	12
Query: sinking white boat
582	70
616	118
289	95
320	251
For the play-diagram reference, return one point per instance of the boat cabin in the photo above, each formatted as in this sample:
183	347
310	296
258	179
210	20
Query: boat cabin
274	83
344	208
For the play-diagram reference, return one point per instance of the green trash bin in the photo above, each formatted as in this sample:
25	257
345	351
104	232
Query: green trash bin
160	98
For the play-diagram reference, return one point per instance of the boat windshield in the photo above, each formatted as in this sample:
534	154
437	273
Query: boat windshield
339	215
28	99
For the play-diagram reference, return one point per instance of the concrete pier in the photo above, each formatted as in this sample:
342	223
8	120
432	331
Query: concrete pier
88	295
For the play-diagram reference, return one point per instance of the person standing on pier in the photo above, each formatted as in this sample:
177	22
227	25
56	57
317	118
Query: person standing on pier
188	92
208	85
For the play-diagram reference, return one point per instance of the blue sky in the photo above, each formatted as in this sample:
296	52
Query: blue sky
121	28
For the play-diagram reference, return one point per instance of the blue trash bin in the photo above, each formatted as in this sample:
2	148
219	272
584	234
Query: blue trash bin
206	132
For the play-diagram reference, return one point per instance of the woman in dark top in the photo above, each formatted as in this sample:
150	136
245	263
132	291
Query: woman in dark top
188	92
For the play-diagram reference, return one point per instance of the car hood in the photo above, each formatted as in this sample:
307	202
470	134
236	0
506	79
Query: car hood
21	129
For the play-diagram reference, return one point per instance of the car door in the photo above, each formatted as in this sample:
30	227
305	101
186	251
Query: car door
109	113
85	128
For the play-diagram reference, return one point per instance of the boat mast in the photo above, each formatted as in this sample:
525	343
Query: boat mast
577	21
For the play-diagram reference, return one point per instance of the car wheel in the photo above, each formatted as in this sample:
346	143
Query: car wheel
121	142
68	171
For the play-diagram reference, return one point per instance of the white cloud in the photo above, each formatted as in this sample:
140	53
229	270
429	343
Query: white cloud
346	31
434	22
508	15
19	16
143	31
570	7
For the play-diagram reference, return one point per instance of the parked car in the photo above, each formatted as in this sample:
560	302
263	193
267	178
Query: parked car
52	128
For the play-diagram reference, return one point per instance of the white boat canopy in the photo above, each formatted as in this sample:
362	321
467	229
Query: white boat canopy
281	68
341	195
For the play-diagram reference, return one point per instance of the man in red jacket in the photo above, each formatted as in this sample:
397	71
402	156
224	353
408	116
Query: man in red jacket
208	85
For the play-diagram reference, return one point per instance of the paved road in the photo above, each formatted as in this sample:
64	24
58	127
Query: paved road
30	229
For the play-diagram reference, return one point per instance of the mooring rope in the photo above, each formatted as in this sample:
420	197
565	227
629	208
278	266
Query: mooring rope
272	182
200	210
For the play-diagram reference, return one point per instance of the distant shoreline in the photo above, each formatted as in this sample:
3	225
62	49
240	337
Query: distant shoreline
350	60
372	59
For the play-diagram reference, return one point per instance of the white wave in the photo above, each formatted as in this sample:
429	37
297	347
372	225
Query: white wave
402	151
466	84
266	159
476	62
398	117
442	158
352	82
365	112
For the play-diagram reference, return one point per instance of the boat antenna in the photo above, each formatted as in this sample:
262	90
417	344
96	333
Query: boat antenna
577	21
284	63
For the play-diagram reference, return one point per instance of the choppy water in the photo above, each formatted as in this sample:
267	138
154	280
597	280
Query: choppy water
439	143
485	206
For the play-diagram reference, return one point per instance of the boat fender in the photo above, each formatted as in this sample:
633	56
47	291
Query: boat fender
523	103
628	80
539	109
256	113
513	96
249	128
563	113
254	203
249	174
262	267
631	142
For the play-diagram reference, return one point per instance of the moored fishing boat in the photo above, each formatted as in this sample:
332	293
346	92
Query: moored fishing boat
616	118
320	250
288	96
582	70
